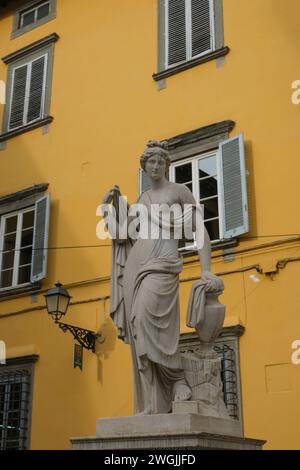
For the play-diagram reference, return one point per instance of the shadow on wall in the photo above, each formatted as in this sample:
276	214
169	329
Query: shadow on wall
251	189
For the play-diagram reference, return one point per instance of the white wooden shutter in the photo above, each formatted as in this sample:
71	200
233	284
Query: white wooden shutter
40	239
176	31
18	93
201	26
36	89
144	182
233	188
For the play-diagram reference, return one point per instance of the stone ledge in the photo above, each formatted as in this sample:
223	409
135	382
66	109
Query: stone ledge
183	441
162	424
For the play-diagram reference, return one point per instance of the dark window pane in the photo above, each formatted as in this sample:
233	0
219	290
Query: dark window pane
207	167
27	18
24	274
6	278
2	395
9	242
190	186
27	236
11	224
8	260
208	187
211	209
43	11
213	229
25	256
183	173
28	219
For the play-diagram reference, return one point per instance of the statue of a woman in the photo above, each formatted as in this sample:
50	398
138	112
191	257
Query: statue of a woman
145	291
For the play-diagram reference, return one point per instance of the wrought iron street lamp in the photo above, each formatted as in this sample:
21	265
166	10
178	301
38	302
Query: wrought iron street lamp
57	301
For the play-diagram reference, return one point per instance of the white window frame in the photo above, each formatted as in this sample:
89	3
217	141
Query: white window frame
195	183
35	9
16	266
27	92
188	29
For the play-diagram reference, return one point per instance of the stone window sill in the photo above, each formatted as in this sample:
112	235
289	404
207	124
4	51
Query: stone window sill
221	245
191	63
21	130
19	291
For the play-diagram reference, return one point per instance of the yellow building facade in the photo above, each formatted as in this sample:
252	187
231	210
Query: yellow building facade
86	87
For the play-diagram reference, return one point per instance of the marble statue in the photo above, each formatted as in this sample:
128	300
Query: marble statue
145	294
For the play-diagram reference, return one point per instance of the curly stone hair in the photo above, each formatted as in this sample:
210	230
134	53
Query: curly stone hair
156	147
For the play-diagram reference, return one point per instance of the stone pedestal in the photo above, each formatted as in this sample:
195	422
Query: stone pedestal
177	431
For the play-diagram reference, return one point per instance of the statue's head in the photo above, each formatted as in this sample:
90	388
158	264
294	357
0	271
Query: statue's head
155	148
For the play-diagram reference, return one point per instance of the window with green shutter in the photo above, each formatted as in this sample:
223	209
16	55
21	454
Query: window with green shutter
28	87
217	180
28	93
24	245
213	168
188	30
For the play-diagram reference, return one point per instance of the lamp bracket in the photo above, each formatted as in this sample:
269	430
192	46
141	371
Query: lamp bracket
86	338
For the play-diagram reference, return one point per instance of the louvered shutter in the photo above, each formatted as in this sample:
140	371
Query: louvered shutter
16	118
144	182
36	89
40	239
176	33
233	187
201	26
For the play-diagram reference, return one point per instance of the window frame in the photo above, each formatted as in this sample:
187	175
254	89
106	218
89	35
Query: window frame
34	9
195	182
18	30
16	265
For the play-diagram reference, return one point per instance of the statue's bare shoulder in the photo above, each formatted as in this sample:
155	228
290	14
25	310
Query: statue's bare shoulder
186	196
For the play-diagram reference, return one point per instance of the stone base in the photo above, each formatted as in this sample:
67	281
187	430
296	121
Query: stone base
166	431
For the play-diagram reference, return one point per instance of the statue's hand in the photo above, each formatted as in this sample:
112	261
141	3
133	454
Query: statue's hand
108	197
214	282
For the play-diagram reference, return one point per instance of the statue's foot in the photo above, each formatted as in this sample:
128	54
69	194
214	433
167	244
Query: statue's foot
146	411
182	392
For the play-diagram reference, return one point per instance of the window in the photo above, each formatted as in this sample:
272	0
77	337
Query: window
15	403
28	87
32	15
28	93
188	31
216	177
23	245
200	175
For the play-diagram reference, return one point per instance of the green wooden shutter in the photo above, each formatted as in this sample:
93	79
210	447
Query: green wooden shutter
201	27
16	117
176	32
36	89
40	239
233	187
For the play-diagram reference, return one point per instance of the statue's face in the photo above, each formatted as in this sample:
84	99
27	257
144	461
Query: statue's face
155	167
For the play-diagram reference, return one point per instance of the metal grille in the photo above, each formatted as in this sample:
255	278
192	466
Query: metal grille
229	378
14	408
229	374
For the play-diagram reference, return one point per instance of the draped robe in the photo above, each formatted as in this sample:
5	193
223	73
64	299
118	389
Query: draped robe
145	309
